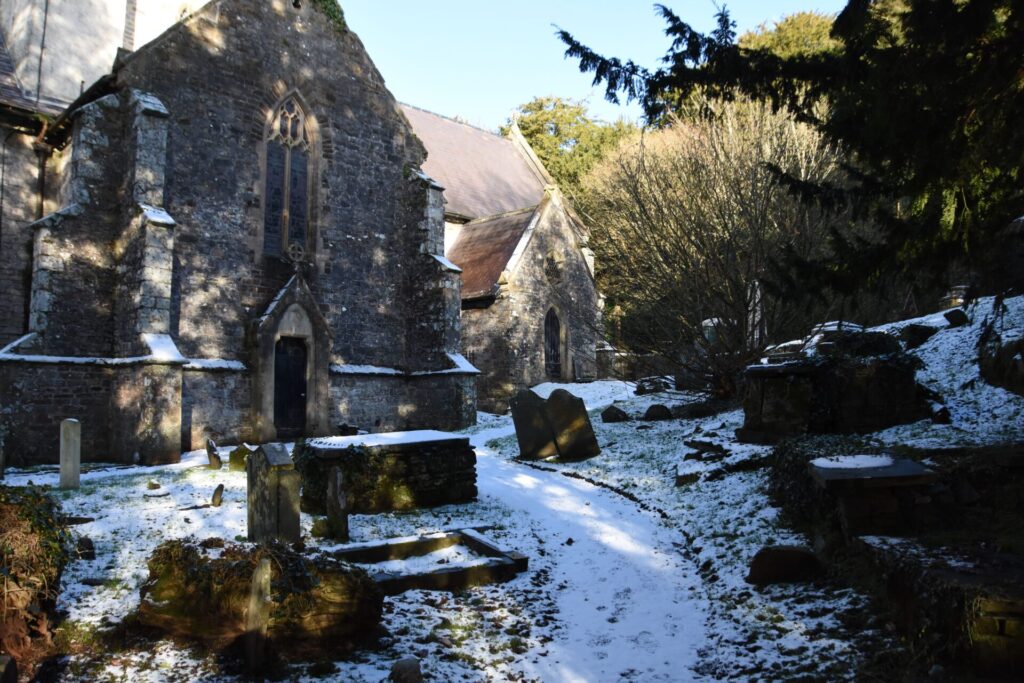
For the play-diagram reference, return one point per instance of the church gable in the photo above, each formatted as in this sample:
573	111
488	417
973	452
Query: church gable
283	136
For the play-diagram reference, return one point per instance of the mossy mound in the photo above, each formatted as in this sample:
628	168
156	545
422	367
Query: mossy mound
34	547
200	591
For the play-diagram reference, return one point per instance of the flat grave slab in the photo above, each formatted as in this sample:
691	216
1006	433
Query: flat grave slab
855	472
492	564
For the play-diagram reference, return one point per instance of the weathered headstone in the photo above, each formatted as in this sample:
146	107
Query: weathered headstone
406	670
574	435
218	496
614	414
85	548
257	616
237	457
337	505
914	334
956	317
558	426
783	564
8	669
70	454
533	430
657	412
273	495
214	456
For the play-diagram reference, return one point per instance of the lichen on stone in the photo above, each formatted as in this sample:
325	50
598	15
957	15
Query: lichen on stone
332	10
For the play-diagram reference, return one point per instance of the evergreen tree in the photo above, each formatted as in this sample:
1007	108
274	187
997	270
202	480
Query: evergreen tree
565	138
927	96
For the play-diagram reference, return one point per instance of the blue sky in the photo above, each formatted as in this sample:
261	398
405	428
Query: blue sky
479	59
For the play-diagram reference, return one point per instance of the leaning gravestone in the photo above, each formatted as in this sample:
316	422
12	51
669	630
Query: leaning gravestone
574	435
533	431
273	495
237	458
70	453
559	426
214	456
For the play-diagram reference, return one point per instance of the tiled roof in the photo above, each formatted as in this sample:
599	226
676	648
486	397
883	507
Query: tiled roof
483	174
483	250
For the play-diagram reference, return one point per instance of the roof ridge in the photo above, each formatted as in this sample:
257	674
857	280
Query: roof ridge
454	120
503	214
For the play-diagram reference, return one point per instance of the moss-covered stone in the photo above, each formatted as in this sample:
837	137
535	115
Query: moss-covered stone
34	548
322	606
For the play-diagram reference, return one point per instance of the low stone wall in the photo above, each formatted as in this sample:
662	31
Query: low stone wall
385	472
34	398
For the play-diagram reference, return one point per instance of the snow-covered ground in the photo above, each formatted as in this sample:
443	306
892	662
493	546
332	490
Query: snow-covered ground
981	413
631	578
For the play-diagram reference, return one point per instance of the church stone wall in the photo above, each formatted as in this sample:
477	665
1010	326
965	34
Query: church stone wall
213	406
235	66
19	209
506	340
37	397
106	269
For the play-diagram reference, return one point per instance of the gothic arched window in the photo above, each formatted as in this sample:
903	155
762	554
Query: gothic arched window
286	192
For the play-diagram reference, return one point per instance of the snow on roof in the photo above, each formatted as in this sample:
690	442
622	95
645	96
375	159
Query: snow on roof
162	347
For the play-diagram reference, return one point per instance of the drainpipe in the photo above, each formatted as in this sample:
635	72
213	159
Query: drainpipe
42	49
42	151
3	183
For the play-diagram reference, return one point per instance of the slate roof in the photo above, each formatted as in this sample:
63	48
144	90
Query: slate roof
483	174
484	248
10	90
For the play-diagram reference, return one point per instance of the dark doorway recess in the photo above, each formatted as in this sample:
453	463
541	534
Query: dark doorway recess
290	387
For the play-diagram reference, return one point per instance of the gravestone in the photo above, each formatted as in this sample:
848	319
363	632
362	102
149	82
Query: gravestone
273	495
657	412
214	456
533	430
559	426
257	616
574	435
784	564
70	454
236	460
337	505
218	496
613	414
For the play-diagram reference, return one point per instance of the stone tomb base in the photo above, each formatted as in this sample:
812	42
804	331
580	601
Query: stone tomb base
391	471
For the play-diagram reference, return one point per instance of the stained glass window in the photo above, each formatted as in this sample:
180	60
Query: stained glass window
286	195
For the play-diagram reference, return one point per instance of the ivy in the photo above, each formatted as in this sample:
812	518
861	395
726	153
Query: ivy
332	10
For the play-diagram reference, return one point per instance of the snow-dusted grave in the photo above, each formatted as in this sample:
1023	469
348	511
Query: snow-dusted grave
632	579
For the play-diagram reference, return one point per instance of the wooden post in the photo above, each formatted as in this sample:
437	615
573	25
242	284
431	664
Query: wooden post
257	616
70	453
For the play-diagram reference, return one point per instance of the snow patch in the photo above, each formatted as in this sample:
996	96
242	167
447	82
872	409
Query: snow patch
852	462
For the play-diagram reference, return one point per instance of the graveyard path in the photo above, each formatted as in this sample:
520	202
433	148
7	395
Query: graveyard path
629	604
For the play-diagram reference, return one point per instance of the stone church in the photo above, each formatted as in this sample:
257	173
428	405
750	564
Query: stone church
230	234
531	311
